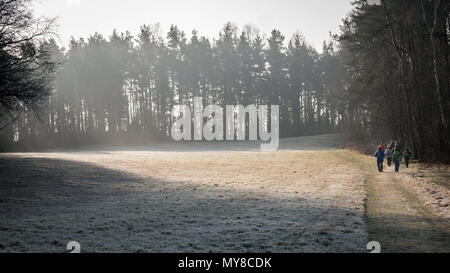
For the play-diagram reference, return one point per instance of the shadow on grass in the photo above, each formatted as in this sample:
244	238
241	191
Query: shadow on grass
45	203
417	236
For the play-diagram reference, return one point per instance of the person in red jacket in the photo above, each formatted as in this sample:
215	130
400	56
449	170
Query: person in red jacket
382	147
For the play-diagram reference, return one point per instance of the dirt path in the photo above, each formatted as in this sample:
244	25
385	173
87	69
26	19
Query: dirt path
307	197
406	214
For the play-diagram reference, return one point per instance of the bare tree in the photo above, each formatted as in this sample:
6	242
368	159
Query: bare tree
25	68
431	27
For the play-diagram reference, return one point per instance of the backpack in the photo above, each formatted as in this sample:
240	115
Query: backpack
389	153
407	155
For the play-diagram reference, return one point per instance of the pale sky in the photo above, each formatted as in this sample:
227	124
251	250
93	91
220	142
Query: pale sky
81	18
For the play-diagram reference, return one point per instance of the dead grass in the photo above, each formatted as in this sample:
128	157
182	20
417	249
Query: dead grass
398	211
307	197
439	174
154	201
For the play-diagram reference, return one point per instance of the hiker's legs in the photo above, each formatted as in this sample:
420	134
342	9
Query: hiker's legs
407	163
397	166
380	166
389	162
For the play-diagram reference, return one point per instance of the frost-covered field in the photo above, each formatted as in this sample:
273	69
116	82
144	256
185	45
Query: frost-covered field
184	198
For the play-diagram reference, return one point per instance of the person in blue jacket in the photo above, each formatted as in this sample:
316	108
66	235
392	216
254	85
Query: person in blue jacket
380	159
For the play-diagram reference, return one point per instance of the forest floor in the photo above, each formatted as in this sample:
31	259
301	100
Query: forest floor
309	196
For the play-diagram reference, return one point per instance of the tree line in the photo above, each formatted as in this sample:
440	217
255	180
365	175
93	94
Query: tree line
124	87
385	76
397	61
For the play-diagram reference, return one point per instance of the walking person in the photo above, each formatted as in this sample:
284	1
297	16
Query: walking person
380	159
392	145
389	155
397	159
407	157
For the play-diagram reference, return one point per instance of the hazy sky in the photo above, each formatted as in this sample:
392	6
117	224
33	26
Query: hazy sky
81	18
